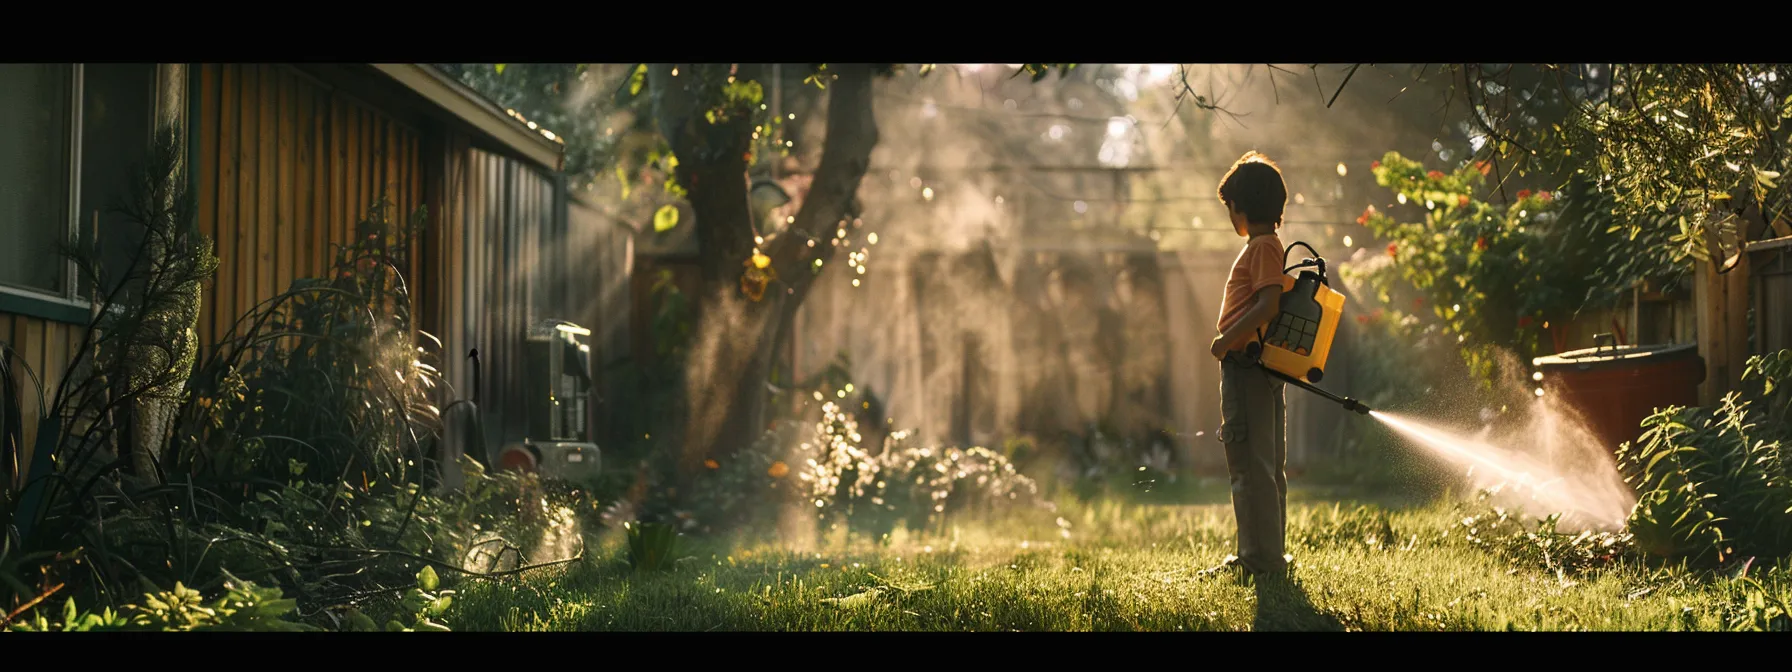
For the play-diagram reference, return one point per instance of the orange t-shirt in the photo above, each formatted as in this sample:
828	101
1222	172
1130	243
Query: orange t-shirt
1259	265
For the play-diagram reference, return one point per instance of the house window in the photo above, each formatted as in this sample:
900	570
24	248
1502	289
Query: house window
35	132
71	137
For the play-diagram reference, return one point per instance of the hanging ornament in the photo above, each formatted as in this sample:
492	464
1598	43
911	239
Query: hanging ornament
758	276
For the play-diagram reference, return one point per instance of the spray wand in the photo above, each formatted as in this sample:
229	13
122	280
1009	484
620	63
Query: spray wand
1299	337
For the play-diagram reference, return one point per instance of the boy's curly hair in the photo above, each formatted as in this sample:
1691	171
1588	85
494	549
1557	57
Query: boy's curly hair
1254	186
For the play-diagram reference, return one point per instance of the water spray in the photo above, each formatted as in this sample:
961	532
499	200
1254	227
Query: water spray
1299	339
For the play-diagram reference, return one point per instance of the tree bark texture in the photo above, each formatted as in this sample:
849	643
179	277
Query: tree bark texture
731	355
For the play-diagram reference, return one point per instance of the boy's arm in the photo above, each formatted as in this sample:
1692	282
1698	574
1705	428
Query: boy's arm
1269	301
1267	275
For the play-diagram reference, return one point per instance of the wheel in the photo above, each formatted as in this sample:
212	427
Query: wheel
519	458
1314	374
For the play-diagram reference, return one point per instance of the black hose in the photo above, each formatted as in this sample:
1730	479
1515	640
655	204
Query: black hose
1295	244
1316	260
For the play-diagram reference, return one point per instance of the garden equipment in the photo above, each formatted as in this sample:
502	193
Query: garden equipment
1299	338
462	434
557	384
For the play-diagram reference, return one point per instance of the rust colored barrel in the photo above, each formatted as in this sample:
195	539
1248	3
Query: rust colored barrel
1616	388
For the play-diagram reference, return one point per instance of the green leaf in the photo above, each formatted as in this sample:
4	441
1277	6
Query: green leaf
499	67
359	622
927	69
665	219
856	601
622	176
637	79
744	93
427	579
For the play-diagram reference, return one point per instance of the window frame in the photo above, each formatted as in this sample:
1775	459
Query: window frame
71	206
69	305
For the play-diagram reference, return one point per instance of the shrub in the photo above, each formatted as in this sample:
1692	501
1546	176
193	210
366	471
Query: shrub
1492	277
921	486
297	452
244	607
1713	483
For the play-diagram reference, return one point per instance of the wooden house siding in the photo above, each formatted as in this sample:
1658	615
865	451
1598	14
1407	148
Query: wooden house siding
44	347
287	158
286	167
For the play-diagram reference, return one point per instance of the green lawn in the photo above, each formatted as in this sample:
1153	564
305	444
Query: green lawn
1124	567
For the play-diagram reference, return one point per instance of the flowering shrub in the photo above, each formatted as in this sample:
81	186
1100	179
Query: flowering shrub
828	467
740	492
838	469
1496	276
942	482
918	485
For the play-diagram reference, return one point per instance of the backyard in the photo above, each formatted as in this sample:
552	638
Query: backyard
1126	568
742	347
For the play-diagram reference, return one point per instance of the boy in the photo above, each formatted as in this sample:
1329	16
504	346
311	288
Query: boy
1253	424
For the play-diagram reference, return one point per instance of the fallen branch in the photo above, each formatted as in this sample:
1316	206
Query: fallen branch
28	605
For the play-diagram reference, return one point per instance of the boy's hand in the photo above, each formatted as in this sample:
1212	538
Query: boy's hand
1219	347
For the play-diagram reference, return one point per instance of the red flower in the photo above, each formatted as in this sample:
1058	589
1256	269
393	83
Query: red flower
1524	321
1367	213
1544	195
1374	164
1418	303
1394	250
1484	167
1481	243
1462	201
1524	193
1435	175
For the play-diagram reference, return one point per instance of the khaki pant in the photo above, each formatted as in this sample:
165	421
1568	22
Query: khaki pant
1254	428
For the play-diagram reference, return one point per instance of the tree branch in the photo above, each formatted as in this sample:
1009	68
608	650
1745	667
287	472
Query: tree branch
1342	84
845	157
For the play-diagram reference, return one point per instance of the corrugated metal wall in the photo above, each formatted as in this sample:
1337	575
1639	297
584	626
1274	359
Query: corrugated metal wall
286	168
505	240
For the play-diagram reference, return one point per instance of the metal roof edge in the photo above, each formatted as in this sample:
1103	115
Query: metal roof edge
475	109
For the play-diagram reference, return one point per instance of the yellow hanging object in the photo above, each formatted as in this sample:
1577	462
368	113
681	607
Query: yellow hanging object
1297	342
1299	339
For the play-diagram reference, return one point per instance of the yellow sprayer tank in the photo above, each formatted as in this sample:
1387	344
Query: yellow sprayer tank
1299	339
1295	344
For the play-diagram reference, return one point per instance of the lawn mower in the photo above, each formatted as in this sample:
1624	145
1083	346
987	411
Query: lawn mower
557	391
556	441
1298	340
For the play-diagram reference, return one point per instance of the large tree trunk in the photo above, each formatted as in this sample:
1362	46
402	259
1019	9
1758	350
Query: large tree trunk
731	357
